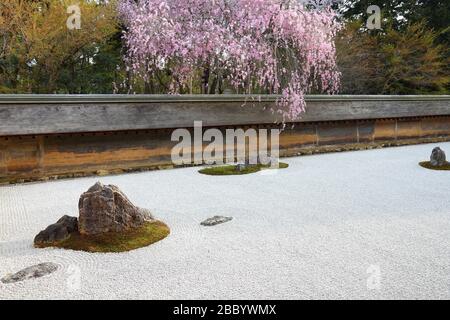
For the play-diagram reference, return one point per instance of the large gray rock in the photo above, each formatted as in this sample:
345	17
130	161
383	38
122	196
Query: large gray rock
215	221
32	272
104	208
437	158
59	231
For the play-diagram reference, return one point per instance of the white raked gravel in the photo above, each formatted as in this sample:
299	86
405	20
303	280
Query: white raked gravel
310	231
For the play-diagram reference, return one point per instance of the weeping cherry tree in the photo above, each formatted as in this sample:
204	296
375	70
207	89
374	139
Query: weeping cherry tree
254	46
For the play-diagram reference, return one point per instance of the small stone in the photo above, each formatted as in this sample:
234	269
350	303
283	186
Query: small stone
215	221
32	272
59	231
438	158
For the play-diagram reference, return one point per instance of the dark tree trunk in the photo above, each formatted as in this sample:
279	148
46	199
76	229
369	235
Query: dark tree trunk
205	80
147	87
220	88
212	90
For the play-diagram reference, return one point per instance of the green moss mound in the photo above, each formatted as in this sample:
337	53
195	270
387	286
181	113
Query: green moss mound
229	170
146	235
427	165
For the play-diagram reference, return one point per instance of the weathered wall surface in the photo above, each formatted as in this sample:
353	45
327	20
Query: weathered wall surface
49	136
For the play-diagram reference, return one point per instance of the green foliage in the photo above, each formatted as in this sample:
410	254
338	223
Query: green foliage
146	235
427	165
392	61
434	13
230	170
38	54
98	69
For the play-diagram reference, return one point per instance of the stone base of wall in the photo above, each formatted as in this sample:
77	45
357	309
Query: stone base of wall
44	157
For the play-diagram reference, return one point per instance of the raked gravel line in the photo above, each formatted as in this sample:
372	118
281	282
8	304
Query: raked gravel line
310	231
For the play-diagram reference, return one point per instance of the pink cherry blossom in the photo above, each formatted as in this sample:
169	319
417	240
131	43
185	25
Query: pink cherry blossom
259	46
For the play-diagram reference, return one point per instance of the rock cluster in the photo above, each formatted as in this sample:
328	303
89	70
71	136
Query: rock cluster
271	161
103	208
438	158
59	231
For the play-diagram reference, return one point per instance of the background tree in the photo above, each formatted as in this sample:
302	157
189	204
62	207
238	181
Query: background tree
98	68
392	61
401	13
41	54
254	46
409	55
11	14
38	54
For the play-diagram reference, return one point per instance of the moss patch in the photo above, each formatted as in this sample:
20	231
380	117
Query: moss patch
231	169
427	165
146	235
